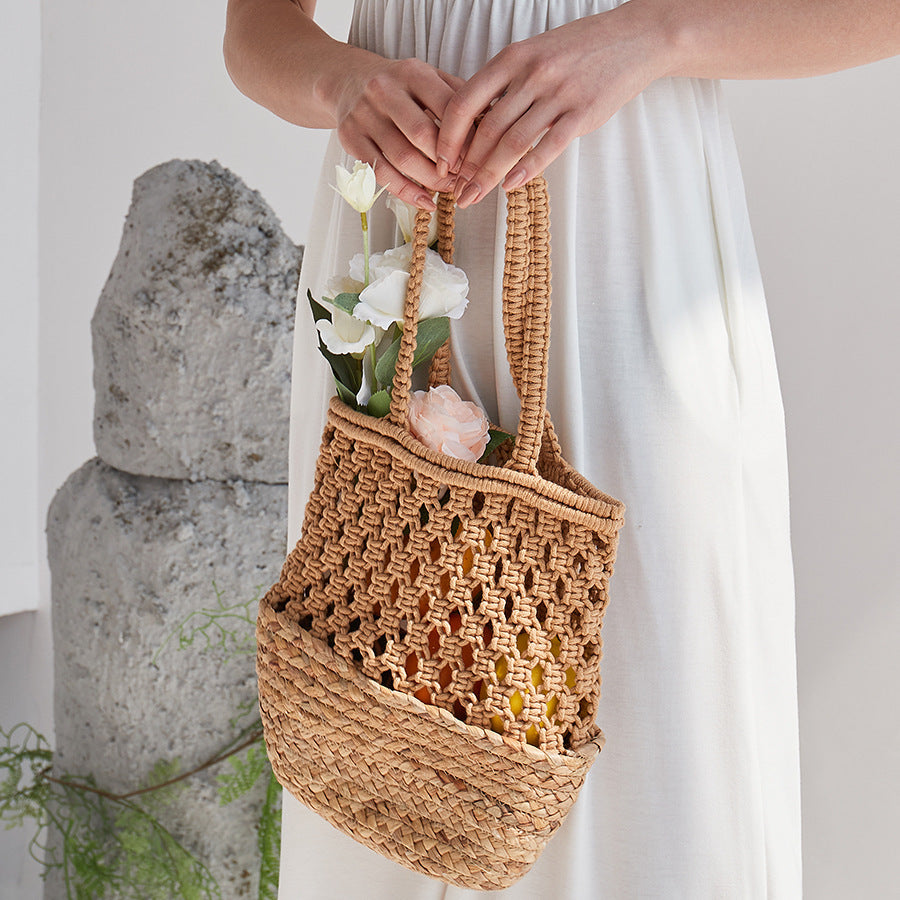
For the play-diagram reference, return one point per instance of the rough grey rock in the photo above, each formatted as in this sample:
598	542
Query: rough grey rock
131	557
192	333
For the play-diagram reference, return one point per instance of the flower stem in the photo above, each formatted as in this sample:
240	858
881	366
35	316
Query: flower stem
365	230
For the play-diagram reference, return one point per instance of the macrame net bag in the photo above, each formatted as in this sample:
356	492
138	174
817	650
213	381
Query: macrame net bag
429	661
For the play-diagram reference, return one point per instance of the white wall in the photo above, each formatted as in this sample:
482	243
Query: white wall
20	553
127	86
20	50
820	161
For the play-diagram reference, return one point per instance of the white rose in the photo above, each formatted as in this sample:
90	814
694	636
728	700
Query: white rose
405	214
444	287
345	333
357	187
341	284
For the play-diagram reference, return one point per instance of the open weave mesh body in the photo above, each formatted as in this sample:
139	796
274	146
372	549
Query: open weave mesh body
479	589
470	596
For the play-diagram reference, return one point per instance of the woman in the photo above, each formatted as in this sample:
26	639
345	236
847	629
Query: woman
663	382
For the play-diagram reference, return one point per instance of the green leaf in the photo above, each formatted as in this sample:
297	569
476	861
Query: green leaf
268	840
496	437
319	312
244	774
380	404
346	395
347	370
25	759
346	302
230	628
431	334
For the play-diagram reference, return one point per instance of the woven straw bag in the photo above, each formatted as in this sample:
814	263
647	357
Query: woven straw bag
429	659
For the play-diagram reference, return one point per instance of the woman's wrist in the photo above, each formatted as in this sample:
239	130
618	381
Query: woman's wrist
343	65
277	55
662	34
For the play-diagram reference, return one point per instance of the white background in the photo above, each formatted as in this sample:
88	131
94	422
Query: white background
126	86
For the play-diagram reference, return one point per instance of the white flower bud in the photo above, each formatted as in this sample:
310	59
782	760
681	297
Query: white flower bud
357	187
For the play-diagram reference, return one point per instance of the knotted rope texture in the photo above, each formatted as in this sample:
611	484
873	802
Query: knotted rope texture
526	313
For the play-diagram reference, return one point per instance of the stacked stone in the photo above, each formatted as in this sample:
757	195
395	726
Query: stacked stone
186	504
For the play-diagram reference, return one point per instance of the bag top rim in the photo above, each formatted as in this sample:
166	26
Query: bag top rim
599	511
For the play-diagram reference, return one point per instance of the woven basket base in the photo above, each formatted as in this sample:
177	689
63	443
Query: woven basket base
410	781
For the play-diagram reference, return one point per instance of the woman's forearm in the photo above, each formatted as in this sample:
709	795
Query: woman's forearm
774	38
277	55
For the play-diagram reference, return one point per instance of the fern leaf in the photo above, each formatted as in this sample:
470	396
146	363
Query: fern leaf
269	840
245	772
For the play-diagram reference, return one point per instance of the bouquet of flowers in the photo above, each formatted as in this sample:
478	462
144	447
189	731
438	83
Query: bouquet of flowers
360	324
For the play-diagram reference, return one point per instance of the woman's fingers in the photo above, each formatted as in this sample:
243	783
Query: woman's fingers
405	157
557	138
454	82
524	151
507	132
410	120
387	116
391	178
461	111
546	91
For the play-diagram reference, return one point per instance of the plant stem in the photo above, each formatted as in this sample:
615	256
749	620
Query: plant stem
365	230
219	757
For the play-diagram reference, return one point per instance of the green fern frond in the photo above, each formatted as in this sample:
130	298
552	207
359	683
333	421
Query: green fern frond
25	757
112	846
226	627
268	840
245	772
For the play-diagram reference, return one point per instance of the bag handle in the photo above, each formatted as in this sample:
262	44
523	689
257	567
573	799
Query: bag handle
526	314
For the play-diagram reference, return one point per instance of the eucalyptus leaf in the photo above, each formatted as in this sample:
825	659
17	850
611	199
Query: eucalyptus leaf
346	369
319	312
496	437
431	334
346	302
380	404
346	394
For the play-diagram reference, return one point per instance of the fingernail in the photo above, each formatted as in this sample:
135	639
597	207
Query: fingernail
443	167
514	180
424	201
469	195
456	166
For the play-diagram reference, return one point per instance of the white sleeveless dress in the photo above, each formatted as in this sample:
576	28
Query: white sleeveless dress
664	392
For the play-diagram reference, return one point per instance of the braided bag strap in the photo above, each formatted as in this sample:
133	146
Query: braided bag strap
526	314
439	373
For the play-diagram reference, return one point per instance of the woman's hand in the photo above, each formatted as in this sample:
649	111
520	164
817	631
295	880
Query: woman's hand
386	113
539	94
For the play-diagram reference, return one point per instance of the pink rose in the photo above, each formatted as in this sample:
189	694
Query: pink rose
444	422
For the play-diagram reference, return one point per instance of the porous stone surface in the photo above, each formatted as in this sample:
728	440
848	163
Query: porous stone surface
130	558
192	333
